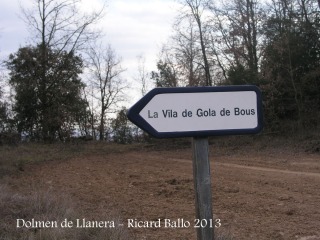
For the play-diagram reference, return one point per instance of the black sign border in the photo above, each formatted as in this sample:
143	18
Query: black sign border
134	117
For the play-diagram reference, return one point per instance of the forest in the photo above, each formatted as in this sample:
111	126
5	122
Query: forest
273	44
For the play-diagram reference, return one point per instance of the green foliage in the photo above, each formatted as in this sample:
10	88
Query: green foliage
3	116
239	75
123	130
166	76
47	87
291	67
7	125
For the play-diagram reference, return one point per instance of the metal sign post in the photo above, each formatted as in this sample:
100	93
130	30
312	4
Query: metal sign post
200	112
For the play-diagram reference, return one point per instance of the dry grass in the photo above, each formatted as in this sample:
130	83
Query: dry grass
225	235
13	158
44	205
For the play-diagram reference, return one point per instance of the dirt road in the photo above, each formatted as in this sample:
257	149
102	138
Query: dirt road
256	195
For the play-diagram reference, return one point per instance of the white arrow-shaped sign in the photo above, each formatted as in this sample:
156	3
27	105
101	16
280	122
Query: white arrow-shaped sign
199	111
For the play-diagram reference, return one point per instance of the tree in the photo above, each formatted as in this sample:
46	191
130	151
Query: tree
237	39
166	77
59	31
3	107
122	128
187	53
106	71
6	123
143	75
197	8
3	115
274	45
46	110
88	120
291	64
60	25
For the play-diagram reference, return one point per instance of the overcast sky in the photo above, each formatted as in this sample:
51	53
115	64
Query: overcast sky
132	27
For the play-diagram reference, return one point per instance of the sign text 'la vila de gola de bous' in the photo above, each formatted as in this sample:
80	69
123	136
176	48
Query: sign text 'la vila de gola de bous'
199	111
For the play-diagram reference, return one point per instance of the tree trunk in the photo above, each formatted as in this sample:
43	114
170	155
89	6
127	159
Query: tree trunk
101	130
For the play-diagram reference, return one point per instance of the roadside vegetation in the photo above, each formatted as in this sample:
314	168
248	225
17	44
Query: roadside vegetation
46	205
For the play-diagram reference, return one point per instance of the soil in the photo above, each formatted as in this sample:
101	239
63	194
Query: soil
257	194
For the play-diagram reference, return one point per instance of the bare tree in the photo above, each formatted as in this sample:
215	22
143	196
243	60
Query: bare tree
106	71
143	75
188	53
236	34
59	24
196	11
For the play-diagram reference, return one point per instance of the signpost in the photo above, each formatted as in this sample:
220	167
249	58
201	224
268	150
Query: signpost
199	112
